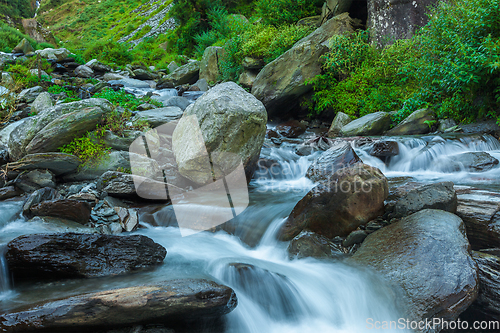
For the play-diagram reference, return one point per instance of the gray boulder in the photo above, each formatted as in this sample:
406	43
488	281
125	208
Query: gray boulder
58	163
426	256
84	72
415	123
474	161
188	73
5	132
209	65
371	124
29	95
488	300
433	196
24	47
157	117
110	162
97	66
247	79
340	120
41	103
308	244
54	54
117	184
231	120
281	82
179	101
113	77
130	83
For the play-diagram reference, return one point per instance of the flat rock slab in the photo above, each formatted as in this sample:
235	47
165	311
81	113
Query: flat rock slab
163	303
73	255
74	210
58	163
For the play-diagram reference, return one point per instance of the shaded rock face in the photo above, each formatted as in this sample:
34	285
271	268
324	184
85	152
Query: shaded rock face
372	124
433	196
340	120
209	65
339	156
74	255
188	73
481	216
158	117
389	20
58	163
415	123
291	129
74	210
281	82
351	197
475	161
9	192
426	255
231	121
167	303
37	197
308	244
117	184
488	300
385	149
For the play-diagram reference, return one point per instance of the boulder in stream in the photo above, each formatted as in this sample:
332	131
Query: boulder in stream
351	197
475	161
372	124
427	256
419	122
72	255
169	302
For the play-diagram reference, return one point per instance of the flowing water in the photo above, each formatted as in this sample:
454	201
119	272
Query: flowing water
275	293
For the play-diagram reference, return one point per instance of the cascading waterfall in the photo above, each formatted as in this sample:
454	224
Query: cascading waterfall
4	271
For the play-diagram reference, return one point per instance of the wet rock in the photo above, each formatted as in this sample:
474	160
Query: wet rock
480	212
488	300
64	129
166	302
58	163
355	237
84	72
117	184
475	161
29	95
308	244
281	82
340	120
446	124
122	142
488	126
313	145
37	197
291	129
372	124
351	197
430	244
339	156
9	192
54	54
74	210
42	178
58	225
419	122
158	117
115	160
231	120
209	65
388	22
4	157
24	47
41	103
73	255
433	196
384	150
129	218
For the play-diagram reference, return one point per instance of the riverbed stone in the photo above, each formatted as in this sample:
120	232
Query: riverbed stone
74	210
179	101
58	163
309	244
188	73
98	66
231	121
281	82
351	197
117	184
209	65
419	122
384	149
54	54
42	102
372	124
432	196
42	178
73	255
9	192
340	120
158	117
475	161
23	47
291	129
29	95
247	79
339	156
37	197
166	302
84	72
426	256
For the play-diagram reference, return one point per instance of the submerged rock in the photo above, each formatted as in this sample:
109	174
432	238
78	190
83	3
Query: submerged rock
475	161
308	244
291	129
426	255
167	302
71	255
351	197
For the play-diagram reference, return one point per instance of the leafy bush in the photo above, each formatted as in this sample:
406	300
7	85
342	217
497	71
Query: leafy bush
10	37
117	122
109	52
89	149
124	99
278	12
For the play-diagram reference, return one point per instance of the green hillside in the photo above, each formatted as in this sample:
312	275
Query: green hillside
18	8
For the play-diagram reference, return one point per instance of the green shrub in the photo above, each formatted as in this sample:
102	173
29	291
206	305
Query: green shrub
109	52
278	12
124	99
89	149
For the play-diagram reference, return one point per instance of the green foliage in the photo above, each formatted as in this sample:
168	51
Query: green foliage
124	99
117	122
89	149
10	37
17	8
109	52
278	12
21	73
452	64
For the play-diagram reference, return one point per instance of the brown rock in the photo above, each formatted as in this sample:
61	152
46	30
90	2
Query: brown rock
78	211
291	129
